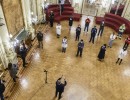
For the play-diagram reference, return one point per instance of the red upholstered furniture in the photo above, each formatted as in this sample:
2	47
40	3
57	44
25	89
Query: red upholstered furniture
114	21
68	11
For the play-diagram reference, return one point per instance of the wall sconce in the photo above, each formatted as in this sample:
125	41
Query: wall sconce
1	24
10	35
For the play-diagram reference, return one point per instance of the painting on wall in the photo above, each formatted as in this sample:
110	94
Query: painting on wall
13	15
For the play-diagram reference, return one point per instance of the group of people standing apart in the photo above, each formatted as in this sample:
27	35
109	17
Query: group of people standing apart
94	32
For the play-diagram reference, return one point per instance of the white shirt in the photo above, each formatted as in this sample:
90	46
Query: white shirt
58	29
122	54
64	43
112	37
62	1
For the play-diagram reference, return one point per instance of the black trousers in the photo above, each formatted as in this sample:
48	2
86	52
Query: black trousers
126	45
100	31
77	37
92	39
51	23
63	49
79	51
24	62
2	96
62	7
58	35
118	60
14	79
60	93
40	44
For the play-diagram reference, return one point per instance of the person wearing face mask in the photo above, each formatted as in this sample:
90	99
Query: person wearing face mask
93	34
122	54
112	38
58	30
64	44
80	48
87	21
70	22
51	18
101	29
121	31
102	51
78	31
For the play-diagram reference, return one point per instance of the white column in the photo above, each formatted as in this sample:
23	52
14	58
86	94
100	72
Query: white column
125	8
27	17
6	48
33	8
40	9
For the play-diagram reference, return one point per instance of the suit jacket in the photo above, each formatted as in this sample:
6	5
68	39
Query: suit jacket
78	31
81	45
70	21
102	24
93	32
52	16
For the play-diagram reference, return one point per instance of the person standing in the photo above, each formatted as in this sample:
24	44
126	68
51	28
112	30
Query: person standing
23	52
122	54
51	18
87	21
62	5
64	44
102	51
80	48
121	31
112	38
13	69
2	89
40	39
60	85
127	42
78	31
58	30
93	34
101	29
70	22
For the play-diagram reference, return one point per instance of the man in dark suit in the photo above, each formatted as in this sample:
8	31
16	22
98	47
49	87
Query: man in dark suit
78	31
80	48
102	24
70	22
60	87
23	52
93	34
2	89
51	18
40	39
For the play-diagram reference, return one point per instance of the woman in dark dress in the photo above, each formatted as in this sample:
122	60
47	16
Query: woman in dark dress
101	54
70	22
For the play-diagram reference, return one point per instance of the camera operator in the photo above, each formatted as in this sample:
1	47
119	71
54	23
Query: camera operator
60	85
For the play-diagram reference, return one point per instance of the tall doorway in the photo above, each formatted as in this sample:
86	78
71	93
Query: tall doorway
89	8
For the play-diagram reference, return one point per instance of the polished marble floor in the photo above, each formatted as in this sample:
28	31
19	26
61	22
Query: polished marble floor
87	78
